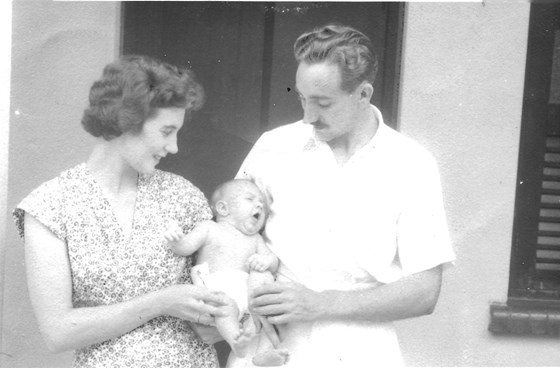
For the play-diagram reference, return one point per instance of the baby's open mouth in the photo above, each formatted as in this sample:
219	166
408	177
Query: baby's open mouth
257	215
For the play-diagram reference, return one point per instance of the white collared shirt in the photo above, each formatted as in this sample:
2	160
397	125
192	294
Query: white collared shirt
377	218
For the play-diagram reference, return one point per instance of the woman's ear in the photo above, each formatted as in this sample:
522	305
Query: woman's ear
221	208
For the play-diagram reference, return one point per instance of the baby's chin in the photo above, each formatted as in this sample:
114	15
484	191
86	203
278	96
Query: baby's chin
249	230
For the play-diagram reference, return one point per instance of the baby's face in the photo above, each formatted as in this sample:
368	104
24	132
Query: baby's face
247	209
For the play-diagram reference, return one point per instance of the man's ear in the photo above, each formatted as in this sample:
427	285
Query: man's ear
366	92
221	208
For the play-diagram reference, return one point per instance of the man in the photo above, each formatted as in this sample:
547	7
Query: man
357	215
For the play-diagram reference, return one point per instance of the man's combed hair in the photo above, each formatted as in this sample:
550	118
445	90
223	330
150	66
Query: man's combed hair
129	91
350	49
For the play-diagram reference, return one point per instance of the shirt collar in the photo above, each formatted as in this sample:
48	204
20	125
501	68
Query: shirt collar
381	132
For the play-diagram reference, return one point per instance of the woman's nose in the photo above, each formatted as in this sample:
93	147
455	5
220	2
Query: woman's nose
171	146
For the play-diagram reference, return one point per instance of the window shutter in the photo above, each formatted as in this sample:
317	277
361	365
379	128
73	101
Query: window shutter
535	262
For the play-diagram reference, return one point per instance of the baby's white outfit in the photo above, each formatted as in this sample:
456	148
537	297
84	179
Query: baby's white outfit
229	281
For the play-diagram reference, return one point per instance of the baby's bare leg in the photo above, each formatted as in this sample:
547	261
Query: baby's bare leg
267	354
228	326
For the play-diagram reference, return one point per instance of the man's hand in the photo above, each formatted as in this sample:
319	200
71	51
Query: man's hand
285	302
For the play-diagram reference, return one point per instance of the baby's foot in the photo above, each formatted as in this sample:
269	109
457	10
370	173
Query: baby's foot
271	358
240	345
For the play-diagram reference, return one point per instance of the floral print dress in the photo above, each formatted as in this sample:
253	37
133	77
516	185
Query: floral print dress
106	268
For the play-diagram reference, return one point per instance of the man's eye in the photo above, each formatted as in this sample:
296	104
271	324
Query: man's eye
166	133
324	104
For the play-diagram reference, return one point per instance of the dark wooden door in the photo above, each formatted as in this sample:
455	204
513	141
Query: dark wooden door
242	54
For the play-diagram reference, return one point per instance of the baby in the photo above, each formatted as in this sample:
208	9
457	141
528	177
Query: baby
233	258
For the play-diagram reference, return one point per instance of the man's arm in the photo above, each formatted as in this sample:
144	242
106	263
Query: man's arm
411	296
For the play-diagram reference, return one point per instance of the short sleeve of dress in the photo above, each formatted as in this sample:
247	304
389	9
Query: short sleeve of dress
422	234
191	204
46	205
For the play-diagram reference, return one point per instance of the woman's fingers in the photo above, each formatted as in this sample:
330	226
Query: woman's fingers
214	297
205	319
209	335
212	310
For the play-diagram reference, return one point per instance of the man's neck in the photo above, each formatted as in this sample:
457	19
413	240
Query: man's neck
346	146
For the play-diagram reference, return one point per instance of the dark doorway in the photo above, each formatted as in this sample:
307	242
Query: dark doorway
242	55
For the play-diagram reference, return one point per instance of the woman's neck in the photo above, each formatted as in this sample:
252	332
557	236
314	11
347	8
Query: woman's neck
110	170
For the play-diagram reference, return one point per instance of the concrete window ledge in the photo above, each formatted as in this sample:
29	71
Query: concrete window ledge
524	320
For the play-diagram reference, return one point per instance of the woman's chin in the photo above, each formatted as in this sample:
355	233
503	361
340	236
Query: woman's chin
147	170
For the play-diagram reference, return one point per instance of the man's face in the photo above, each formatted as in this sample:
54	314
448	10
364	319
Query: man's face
330	110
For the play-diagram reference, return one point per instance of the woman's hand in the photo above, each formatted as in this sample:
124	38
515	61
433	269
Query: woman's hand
192	303
208	334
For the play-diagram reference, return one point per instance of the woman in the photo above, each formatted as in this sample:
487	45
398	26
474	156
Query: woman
100	276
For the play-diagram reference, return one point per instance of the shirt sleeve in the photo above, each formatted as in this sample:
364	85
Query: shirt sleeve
422	234
258	163
45	204
250	167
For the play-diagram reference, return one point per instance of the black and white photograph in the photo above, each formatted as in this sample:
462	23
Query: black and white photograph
241	184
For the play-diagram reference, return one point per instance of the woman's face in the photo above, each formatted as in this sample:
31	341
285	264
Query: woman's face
158	137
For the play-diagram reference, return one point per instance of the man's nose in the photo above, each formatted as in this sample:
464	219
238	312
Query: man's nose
309	115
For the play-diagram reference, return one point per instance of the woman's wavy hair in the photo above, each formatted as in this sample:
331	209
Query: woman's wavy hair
129	91
350	49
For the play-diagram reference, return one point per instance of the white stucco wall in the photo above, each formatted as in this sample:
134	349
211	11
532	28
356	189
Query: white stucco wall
59	49
461	96
5	61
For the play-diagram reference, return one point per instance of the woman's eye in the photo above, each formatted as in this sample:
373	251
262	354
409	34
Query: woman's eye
166	133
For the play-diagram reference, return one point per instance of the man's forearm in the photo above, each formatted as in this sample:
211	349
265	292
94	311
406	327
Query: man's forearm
412	296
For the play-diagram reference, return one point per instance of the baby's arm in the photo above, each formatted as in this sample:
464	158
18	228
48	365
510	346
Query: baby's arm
186	244
264	259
